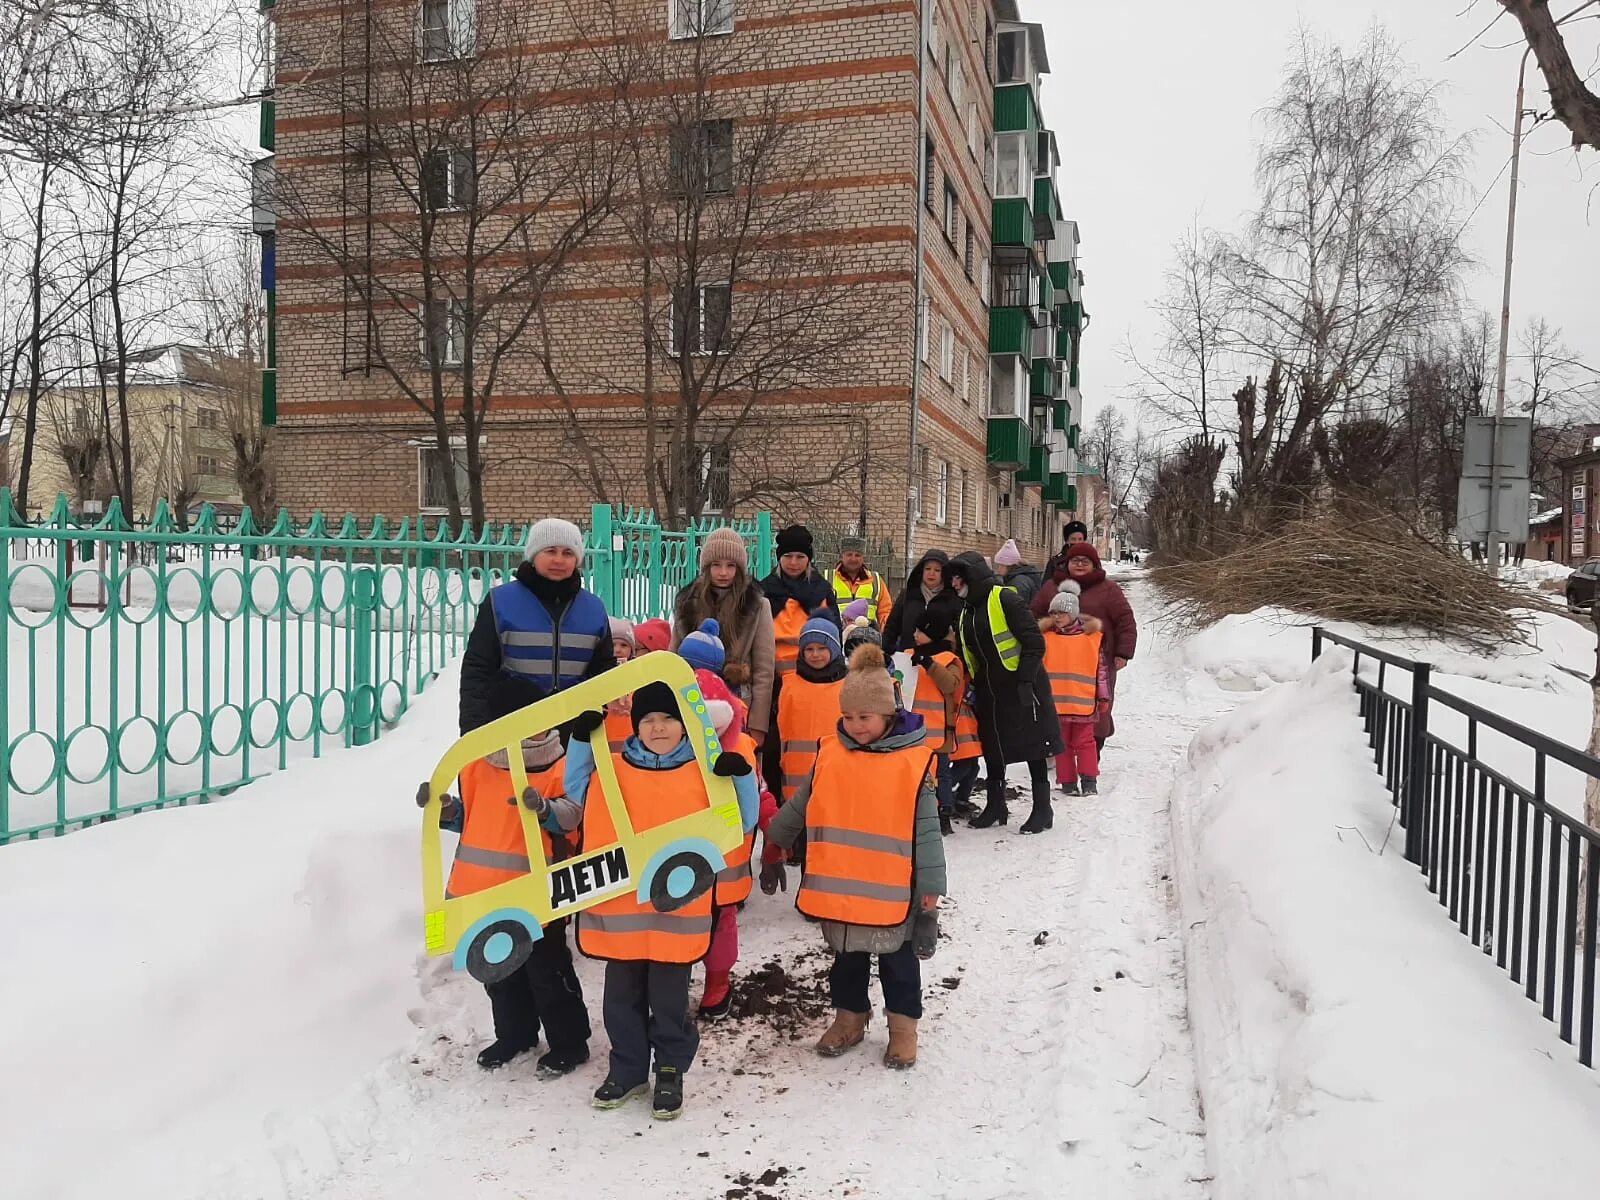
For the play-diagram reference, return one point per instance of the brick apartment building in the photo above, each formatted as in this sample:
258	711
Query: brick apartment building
941	265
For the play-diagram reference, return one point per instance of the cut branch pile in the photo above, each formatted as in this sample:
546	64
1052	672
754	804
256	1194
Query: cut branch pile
1368	568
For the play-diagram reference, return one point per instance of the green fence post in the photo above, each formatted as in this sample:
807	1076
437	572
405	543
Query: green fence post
363	685
603	575
763	554
658	579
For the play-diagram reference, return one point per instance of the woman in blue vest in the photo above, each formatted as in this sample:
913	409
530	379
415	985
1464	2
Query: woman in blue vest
1004	651
537	634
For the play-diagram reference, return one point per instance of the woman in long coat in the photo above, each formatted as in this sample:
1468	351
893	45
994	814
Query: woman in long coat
1016	715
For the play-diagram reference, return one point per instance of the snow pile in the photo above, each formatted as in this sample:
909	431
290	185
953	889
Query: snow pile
1535	572
1350	1041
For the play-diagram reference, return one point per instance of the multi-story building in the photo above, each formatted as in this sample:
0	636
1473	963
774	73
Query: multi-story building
955	406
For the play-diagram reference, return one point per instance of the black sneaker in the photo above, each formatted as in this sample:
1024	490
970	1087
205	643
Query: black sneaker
498	1053
944	824
612	1094
1091	787
558	1062
669	1094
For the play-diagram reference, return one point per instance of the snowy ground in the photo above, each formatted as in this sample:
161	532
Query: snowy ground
229	1002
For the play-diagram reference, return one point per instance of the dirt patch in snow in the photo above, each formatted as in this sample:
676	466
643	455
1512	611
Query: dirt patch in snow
758	1187
790	999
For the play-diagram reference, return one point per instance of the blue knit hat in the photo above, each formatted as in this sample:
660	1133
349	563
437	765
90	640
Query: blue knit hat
820	630
703	650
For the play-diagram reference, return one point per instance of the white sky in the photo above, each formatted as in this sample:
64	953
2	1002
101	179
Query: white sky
1155	104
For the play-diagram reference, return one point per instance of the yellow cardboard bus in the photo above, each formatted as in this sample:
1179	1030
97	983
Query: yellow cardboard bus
491	933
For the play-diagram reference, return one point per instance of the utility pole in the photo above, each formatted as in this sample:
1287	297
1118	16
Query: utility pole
914	485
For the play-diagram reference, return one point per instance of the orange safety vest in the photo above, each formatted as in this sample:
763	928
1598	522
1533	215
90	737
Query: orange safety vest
734	881
786	629
928	701
493	849
622	929
619	728
861	830
807	713
1073	663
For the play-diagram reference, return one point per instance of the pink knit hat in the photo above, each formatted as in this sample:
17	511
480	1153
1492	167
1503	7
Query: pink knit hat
1008	555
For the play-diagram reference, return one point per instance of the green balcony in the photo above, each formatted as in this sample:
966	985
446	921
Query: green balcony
1016	109
268	136
1010	332
1047	295
269	397
1045	378
1072	435
1061	276
1036	470
1058	490
1060	414
1072	375
272	328
1010	443
1074	319
1046	208
1064	344
1011	223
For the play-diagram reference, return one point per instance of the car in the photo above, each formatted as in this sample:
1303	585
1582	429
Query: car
1581	586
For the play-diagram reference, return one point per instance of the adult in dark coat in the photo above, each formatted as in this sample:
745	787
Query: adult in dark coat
1016	715
927	589
1105	599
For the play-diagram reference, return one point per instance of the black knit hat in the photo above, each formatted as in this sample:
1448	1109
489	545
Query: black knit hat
796	539
656	697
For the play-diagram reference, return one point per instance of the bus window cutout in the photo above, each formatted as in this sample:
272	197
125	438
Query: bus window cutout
491	933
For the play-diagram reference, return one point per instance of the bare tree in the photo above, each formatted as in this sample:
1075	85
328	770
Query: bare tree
1576	104
1558	395
1121	457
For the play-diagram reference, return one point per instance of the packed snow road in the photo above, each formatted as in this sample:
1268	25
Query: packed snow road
231	1002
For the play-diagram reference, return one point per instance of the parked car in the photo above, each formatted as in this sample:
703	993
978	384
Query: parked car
1581	586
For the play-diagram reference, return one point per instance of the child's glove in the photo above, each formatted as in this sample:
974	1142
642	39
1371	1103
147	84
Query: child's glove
769	809
921	658
584	724
422	794
449	806
773	876
925	934
731	764
534	802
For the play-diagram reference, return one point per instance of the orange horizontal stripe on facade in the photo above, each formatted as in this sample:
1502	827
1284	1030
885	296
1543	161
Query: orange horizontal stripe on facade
578	97
553	402
621	293
948	290
818	239
944	419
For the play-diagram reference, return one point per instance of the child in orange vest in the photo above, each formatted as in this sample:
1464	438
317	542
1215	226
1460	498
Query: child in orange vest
1079	682
618	727
808	709
648	953
875	859
941	689
493	850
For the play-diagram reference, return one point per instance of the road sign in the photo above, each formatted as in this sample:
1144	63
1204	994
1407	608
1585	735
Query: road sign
1509	507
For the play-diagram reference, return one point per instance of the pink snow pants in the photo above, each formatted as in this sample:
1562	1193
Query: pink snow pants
724	950
1082	757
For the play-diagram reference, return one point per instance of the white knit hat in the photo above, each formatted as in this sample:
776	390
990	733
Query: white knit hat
1066	601
553	531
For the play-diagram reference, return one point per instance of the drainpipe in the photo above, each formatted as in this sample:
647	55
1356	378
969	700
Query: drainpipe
924	28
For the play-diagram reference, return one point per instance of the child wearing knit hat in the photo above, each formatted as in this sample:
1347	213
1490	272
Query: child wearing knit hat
869	787
808	706
650	637
1079	683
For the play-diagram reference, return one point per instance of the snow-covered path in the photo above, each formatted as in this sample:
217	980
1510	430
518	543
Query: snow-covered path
1055	1054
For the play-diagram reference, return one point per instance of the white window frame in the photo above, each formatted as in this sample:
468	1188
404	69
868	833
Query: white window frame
947	351
201	468
952	211
961	499
926	332
714	458
699	347
208	418
458	451
455	329
924	461
459	163
974	142
942	513
691	151
1027	146
955	76
460	31
699	18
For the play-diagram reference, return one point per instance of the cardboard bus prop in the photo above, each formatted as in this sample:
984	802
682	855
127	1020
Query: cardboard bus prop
491	933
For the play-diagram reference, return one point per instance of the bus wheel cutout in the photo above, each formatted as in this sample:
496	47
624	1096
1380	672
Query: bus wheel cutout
683	878
499	951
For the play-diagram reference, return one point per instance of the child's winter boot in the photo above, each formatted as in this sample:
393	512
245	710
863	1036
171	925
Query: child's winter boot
1091	787
498	1053
847	1031
717	999
902	1052
668	1102
1068	789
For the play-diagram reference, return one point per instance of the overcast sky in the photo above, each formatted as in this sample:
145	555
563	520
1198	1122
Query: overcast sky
1155	104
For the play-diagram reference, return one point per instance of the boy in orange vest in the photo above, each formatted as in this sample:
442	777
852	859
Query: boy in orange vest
1079	683
648	953
808	709
874	858
492	851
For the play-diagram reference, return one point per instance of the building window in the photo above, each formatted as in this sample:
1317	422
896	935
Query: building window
947	351
942	496
447	29
925	334
432	463
714	469
700	320
967	255
1012	63
1014	170
702	159
696	18
972	377
961	501
448	180
983	288
1013	283
958	382
974	143
207	464
923	461
952	212
955	77
444	333
208	418
988	163
929	164
988	48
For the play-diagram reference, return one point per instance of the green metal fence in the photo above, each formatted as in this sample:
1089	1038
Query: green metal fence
148	666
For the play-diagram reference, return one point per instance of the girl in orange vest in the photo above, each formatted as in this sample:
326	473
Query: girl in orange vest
794	592
1075	660
809	707
874	858
648	953
493	850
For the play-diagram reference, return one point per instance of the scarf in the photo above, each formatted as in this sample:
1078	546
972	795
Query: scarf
554	594
810	591
927	595
836	670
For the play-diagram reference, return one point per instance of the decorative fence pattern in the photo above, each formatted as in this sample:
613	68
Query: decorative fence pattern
1517	874
151	666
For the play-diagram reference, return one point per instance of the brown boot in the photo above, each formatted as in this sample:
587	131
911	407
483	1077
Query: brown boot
847	1031
902	1052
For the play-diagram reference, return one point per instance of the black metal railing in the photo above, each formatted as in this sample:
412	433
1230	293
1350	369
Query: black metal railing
1517	875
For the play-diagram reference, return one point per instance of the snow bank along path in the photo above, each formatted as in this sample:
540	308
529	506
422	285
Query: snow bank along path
230	1001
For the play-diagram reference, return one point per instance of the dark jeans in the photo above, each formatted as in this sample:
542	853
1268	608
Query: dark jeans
546	989
900	974
955	782
1038	771
647	1008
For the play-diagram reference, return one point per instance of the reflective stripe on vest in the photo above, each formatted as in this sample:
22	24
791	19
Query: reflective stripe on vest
493	848
808	714
1005	641
734	881
621	928
1072	662
861	825
869	589
786	630
534	646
